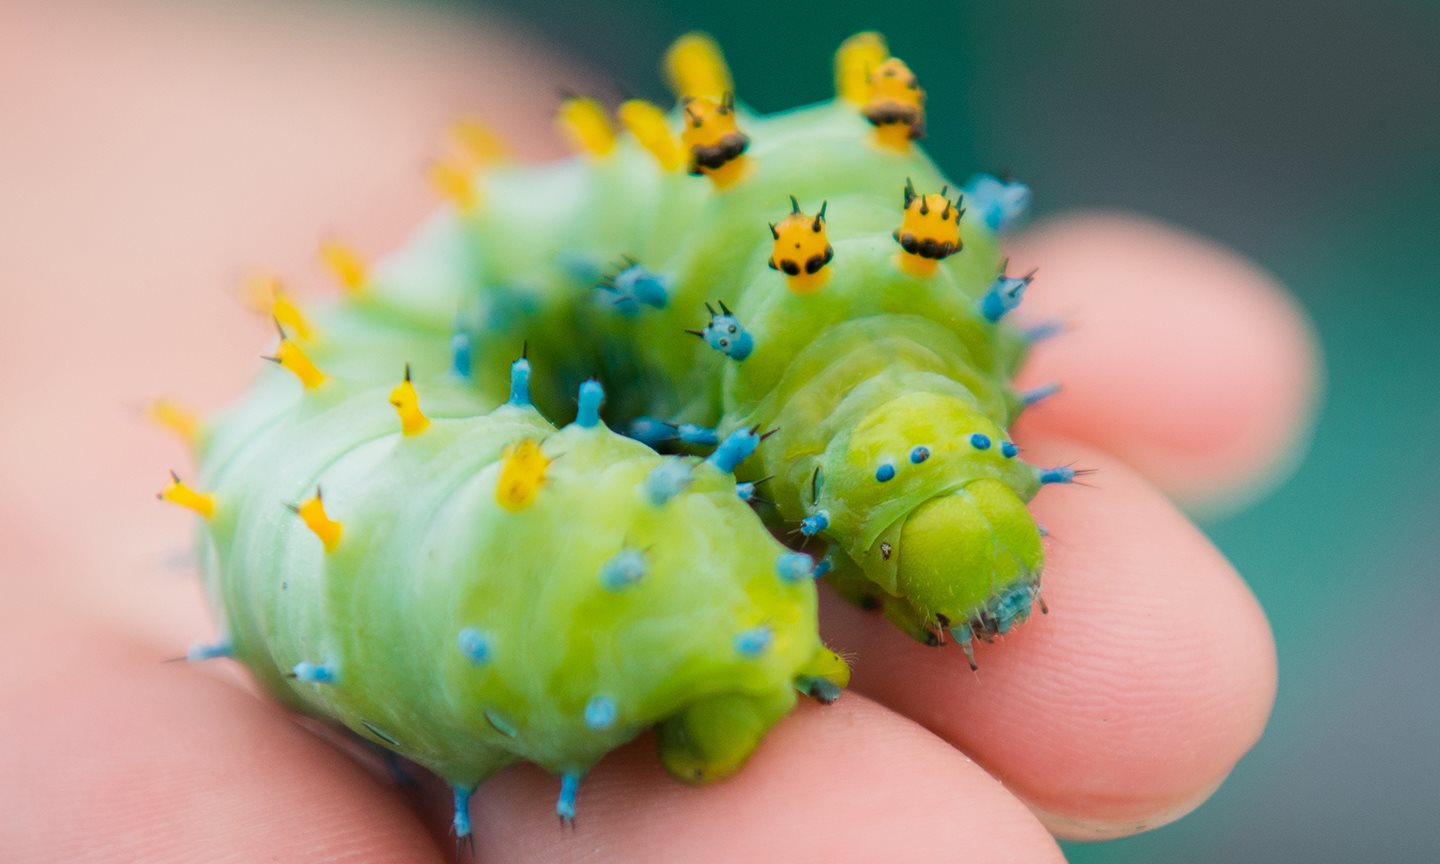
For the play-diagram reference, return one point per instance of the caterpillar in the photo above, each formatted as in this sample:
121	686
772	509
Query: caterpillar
428	561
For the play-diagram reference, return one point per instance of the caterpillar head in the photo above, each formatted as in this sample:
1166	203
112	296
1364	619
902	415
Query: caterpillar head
929	231
716	144
924	486
801	249
896	106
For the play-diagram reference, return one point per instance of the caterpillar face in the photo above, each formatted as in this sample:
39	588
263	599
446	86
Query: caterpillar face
477	587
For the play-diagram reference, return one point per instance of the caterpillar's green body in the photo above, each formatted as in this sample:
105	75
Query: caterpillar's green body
466	621
874	364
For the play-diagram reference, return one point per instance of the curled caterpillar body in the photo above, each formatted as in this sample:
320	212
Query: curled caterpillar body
475	587
871	325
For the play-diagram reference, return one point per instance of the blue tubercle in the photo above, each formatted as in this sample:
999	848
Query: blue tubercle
652	431
474	645
736	448
625	568
461	354
666	480
1062	474
461	820
1038	394
919	454
1041	332
209	651
592	396
1008	449
600	713
569	789
825	566
520	383
815	523
636	286
314	673
885	473
745	492
980	441
701	436
755	641
1004	295
726	334
999	203
796	567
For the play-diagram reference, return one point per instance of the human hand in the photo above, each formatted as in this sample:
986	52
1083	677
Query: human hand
1120	710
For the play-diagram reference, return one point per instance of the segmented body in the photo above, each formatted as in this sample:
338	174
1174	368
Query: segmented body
475	587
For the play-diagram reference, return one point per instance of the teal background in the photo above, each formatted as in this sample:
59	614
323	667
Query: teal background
1307	136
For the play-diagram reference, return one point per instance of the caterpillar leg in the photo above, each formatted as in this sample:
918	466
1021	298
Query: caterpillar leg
711	739
824	676
969	561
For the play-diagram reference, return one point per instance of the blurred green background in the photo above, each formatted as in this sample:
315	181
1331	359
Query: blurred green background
1306	135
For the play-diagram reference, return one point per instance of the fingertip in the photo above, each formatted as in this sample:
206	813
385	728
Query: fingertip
845	782
1189	362
1126	705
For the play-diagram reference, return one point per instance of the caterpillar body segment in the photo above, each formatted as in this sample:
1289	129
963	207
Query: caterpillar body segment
467	626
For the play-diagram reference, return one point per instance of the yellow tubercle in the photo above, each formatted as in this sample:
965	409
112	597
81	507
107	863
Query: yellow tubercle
347	265
266	294
289	356
857	57
177	492
895	105
474	143
584	122
522	472
929	231
915	265
651	129
312	513
455	183
714	140
695	67
407	404
802	249
178	419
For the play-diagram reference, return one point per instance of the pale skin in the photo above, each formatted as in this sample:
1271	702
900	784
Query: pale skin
139	193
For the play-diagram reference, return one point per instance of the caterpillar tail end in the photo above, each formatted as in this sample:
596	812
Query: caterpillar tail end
824	677
969	566
709	740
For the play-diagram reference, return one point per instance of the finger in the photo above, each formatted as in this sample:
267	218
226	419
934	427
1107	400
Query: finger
1186	361
845	782
118	757
1124	707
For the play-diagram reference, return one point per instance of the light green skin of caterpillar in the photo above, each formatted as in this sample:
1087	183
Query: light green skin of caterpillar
426	551
876	362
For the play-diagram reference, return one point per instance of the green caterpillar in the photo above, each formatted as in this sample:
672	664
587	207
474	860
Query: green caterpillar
475	587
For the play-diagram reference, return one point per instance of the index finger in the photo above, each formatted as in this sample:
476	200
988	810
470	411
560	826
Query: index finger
1188	362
